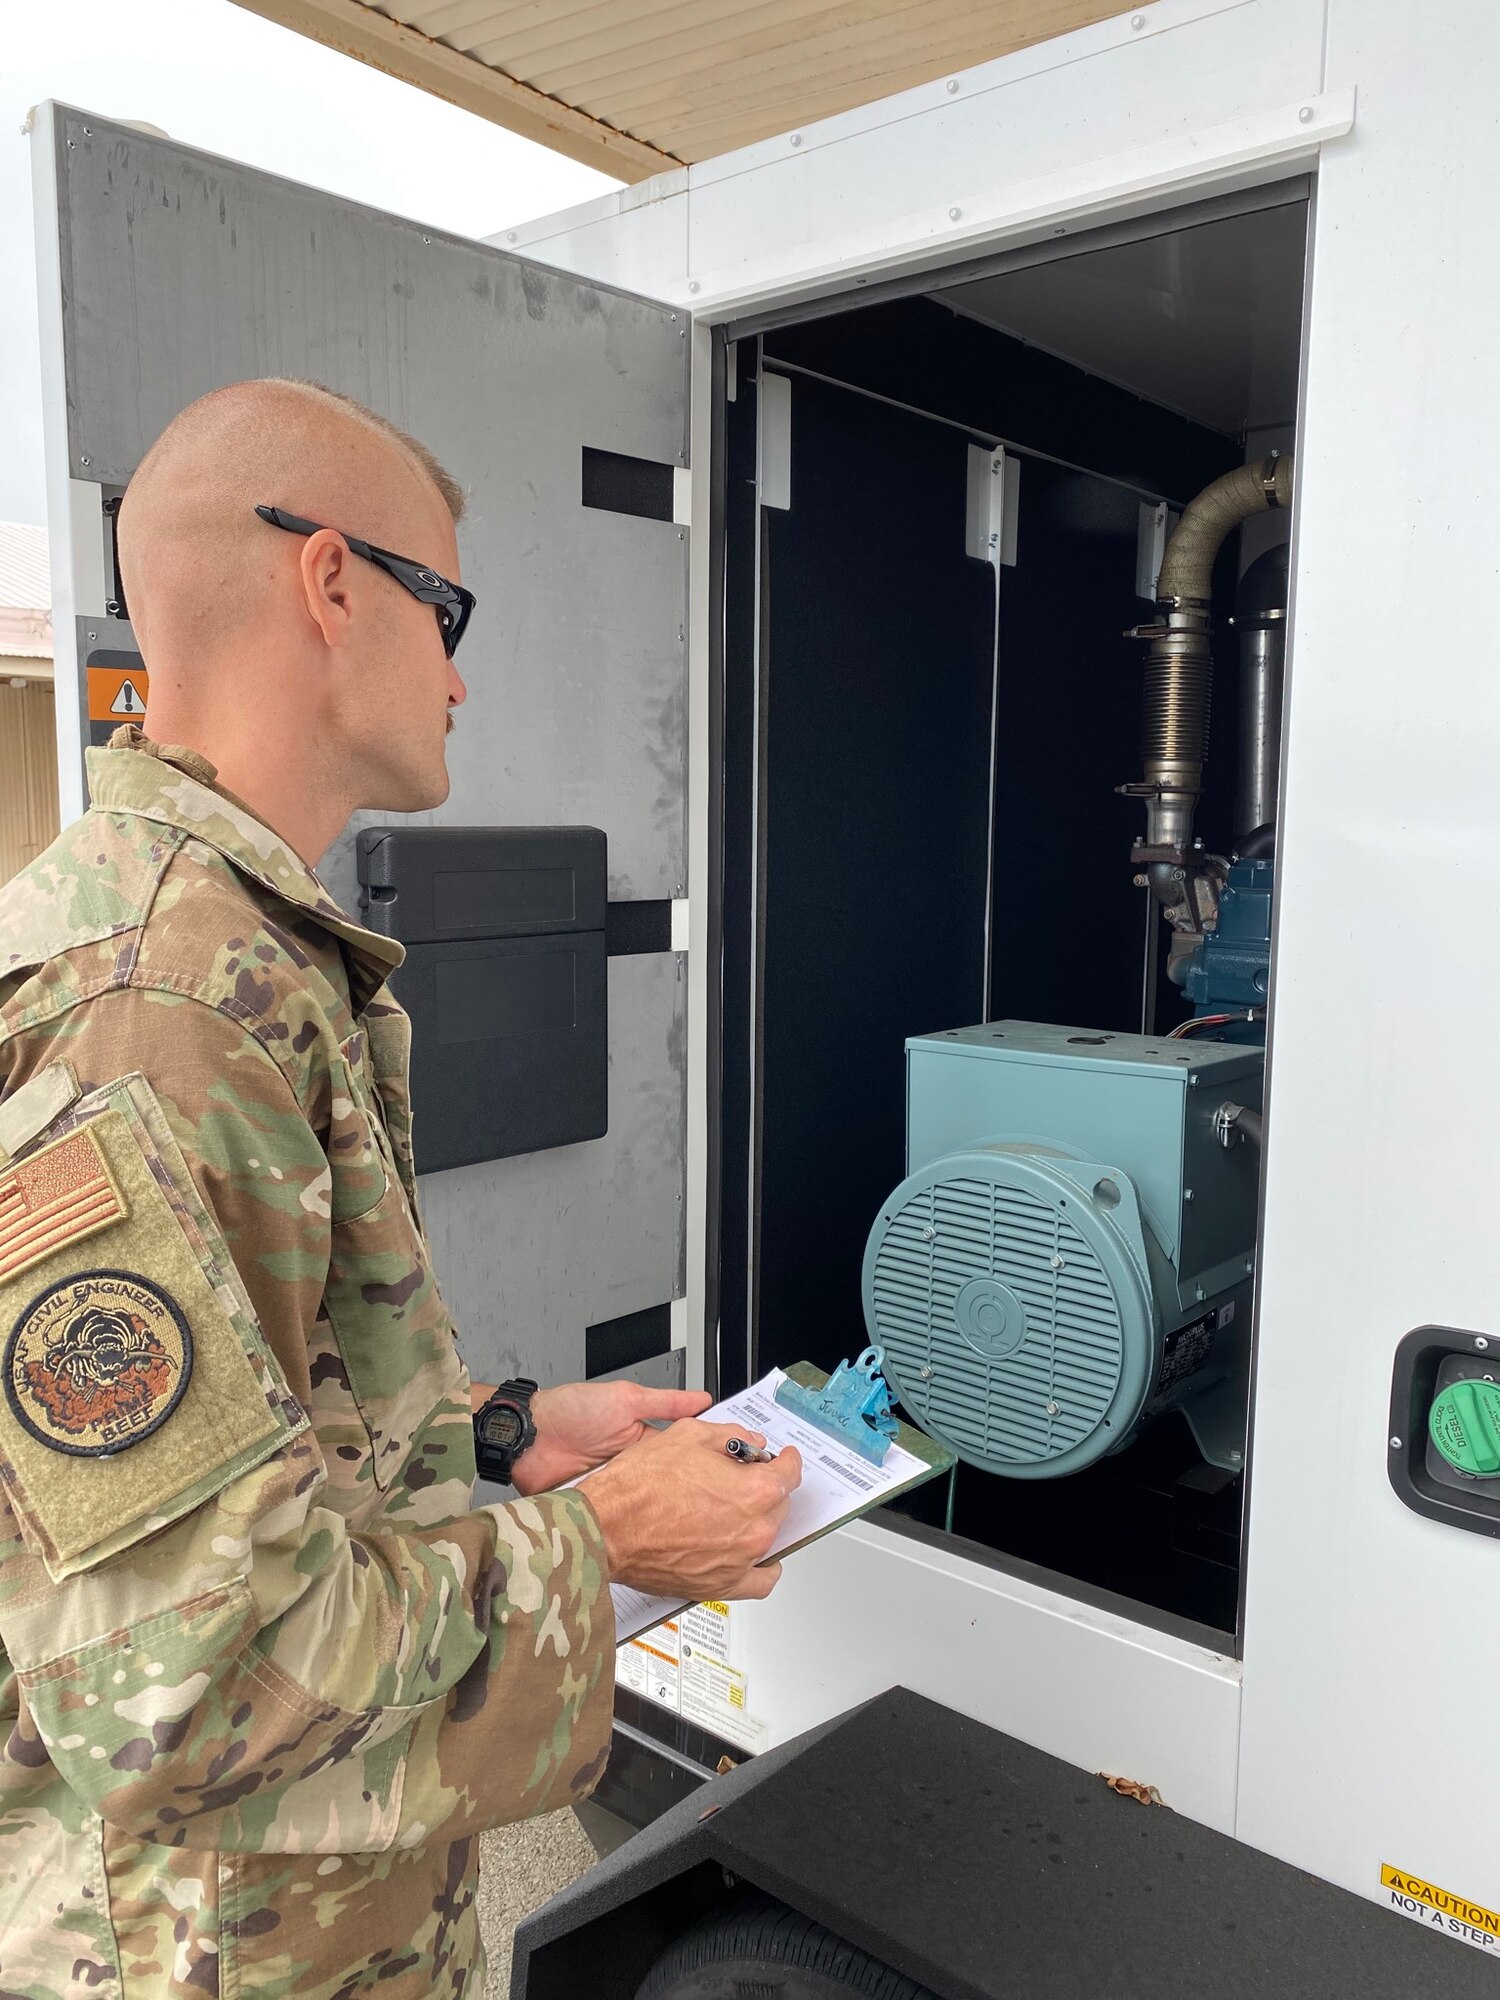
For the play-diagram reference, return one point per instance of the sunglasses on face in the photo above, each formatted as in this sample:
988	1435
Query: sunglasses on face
453	604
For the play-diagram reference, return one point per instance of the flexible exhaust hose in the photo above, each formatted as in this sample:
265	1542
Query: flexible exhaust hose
1187	567
1179	667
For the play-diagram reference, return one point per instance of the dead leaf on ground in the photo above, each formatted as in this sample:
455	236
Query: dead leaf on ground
1131	1788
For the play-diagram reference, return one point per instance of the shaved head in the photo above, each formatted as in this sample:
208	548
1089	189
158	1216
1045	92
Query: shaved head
232	613
186	515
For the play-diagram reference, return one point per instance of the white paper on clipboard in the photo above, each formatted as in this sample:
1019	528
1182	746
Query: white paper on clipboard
836	1482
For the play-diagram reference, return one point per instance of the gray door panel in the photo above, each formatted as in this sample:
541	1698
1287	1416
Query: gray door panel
182	272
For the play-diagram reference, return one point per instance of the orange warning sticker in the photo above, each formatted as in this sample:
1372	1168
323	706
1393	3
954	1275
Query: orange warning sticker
117	694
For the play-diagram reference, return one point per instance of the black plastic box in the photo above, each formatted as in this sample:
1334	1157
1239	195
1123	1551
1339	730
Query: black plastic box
505	981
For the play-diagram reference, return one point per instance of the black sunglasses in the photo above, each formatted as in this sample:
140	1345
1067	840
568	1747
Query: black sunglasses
453	604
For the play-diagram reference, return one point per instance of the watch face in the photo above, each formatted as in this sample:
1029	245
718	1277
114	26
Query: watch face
502	1426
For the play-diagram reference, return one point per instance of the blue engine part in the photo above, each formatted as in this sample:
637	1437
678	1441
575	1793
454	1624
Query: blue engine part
1072	1249
1230	972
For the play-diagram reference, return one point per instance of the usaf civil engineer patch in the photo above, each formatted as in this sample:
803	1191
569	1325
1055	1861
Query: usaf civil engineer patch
98	1362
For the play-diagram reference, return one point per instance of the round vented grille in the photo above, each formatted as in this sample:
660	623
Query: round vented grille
1013	1323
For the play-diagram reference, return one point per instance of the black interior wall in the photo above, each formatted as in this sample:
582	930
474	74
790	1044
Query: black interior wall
917	351
1069	926
737	813
878	660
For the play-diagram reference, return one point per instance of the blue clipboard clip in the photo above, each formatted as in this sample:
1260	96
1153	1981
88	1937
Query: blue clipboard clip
853	1405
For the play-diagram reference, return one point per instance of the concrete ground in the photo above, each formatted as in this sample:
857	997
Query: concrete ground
520	1867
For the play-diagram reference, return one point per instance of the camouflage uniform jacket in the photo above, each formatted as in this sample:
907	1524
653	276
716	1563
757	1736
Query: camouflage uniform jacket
264	1676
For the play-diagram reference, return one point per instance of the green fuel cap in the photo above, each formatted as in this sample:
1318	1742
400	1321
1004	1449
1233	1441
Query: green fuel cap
1465	1427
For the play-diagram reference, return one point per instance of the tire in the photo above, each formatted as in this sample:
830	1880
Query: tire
768	1952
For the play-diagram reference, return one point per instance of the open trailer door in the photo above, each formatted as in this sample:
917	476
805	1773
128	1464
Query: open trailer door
562	409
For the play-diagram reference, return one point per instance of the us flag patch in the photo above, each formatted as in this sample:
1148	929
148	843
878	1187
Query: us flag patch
59	1196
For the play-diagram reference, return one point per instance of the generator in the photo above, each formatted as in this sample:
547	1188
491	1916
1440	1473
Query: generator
1072	1250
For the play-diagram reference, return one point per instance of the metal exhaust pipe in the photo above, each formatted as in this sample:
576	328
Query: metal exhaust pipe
1179	676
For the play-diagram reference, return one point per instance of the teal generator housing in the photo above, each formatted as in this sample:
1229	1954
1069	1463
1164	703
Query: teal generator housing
1071	1252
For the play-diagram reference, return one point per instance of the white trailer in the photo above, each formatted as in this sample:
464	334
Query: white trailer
856	772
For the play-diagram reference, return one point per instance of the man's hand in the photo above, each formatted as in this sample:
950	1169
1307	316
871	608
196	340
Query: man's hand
582	1424
681	1518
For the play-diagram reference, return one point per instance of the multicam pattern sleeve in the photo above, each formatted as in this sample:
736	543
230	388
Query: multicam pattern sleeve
286	1666
264	1672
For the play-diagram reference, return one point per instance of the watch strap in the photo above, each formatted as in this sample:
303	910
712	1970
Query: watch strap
498	1462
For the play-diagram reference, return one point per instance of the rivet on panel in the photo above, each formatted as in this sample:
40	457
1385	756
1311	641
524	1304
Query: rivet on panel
952	86
795	140
83	461
1304	116
692	284
1137	20
954	214
510	236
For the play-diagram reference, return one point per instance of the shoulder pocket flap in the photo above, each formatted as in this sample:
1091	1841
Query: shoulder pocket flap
136	1381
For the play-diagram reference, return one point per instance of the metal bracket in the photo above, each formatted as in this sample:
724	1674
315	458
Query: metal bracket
993	504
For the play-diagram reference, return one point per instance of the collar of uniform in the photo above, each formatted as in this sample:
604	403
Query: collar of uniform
175	785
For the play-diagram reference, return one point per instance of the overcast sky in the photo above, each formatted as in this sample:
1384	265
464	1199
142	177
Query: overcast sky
214	76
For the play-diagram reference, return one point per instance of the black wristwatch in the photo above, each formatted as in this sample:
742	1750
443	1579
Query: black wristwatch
503	1429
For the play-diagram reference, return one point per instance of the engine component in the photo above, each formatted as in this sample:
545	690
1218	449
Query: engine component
1260	620
1040	1297
1229	972
1226	967
1179	677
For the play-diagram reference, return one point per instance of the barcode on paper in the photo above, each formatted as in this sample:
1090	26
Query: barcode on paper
846	1472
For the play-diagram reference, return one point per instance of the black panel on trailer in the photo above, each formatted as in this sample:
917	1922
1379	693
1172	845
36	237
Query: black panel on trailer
983	1869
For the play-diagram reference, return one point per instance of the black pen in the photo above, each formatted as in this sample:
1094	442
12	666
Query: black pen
747	1453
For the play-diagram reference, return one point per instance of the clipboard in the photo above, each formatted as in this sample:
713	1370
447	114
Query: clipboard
937	1459
832	1471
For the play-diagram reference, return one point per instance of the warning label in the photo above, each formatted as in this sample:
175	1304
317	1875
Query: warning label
713	1691
1440	1909
117	694
649	1665
686	1664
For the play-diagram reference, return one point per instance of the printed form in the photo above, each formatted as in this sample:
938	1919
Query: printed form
836	1482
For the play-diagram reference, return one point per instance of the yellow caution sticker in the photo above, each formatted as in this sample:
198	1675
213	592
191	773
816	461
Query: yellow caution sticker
1440	1909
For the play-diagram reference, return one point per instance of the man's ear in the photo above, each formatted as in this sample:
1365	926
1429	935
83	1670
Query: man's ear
326	571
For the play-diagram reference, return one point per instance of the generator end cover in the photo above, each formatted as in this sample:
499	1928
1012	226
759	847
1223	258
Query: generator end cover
1009	1287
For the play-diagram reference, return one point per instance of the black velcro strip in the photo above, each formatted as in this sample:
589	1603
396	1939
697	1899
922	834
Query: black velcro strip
620	1343
622	485
631	928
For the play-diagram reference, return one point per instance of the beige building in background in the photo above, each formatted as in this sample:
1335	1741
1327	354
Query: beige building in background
28	735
